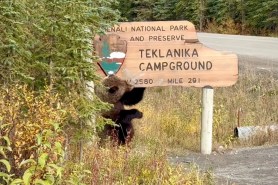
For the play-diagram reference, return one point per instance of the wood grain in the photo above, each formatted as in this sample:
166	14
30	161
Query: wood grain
173	63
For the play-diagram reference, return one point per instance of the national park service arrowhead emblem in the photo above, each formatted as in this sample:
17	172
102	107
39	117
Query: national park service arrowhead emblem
111	51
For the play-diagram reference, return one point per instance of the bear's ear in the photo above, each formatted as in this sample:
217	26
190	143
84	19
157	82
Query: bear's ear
128	86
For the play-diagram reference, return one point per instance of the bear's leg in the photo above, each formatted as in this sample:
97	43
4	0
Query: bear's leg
125	133
122	134
130	133
126	130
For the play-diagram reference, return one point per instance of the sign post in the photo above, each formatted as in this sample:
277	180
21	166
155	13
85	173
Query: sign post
167	53
207	119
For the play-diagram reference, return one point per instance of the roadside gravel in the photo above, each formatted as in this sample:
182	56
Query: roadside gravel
246	166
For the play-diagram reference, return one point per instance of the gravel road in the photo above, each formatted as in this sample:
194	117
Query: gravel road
258	52
247	166
259	47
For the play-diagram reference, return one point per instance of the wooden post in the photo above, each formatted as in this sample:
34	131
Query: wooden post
207	117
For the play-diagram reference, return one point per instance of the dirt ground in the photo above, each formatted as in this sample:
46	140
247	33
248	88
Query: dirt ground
254	166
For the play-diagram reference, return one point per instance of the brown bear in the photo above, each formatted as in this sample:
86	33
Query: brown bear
120	93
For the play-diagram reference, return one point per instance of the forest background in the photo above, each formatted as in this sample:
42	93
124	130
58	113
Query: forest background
251	17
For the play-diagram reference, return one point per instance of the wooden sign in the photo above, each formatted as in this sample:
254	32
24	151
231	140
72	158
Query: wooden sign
163	54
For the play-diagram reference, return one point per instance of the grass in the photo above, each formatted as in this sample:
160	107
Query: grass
173	120
171	124
124	165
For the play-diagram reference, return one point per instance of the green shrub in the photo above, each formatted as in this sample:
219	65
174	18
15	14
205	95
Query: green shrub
31	140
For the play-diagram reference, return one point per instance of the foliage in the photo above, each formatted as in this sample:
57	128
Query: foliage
49	43
37	154
262	15
143	10
131	166
221	10
228	27
189	10
46	67
248	16
179	125
126	10
165	10
52	44
31	140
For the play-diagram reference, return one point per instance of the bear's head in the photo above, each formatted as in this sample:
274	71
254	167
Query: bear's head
113	89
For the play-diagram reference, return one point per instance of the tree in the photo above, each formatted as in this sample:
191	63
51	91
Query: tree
218	11
138	10
262	15
48	40
47	45
125	7
189	10
165	10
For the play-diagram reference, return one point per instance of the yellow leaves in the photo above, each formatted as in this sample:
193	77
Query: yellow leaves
30	124
27	114
19	143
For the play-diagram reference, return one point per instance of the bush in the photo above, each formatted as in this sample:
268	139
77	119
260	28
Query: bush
31	140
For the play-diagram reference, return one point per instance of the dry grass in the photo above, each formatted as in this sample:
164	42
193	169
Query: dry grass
171	122
172	114
124	165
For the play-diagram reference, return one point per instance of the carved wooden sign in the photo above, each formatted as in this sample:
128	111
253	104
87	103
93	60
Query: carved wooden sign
164	53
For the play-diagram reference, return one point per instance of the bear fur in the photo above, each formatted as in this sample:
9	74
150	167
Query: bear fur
119	93
125	127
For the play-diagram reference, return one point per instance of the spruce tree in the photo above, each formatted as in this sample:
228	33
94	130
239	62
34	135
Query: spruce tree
48	43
